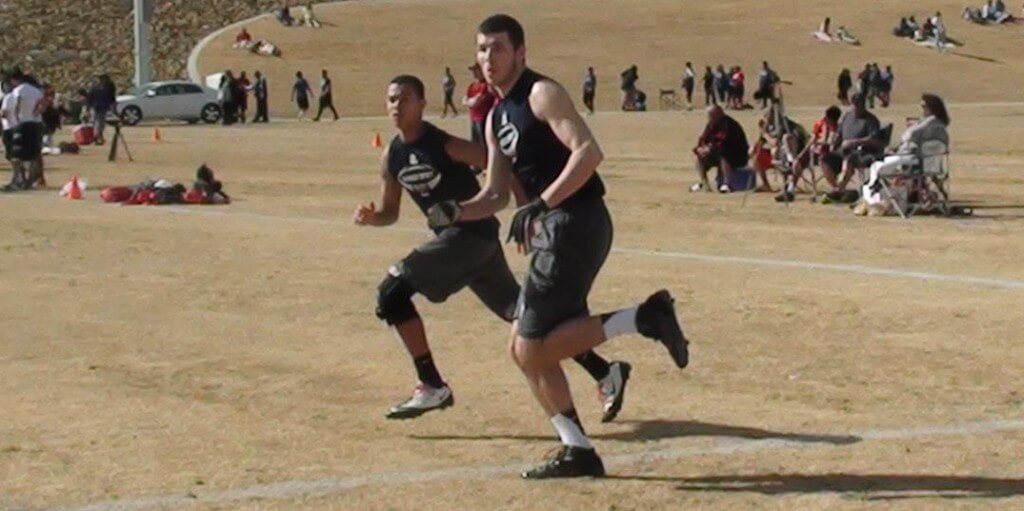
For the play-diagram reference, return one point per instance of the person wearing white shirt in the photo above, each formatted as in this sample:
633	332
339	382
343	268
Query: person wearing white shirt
931	127
7	117
689	79
24	118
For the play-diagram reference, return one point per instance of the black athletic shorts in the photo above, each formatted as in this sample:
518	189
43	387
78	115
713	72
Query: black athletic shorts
569	248
858	159
7	144
713	159
303	102
457	258
26	141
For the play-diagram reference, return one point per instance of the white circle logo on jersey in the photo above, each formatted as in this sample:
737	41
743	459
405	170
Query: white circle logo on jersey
419	177
508	136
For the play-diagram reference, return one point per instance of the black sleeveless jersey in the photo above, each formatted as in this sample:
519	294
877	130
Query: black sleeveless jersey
425	170
538	156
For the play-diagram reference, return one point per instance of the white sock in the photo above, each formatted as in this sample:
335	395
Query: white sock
619	323
570	433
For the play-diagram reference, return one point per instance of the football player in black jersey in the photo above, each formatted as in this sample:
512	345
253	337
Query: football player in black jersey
536	137
433	167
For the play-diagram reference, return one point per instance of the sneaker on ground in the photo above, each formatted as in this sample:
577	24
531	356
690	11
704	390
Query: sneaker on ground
569	462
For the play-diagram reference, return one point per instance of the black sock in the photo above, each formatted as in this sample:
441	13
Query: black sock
427	372
594	364
573	416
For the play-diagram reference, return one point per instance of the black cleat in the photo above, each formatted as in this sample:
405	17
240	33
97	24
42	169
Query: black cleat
612	389
656	319
569	462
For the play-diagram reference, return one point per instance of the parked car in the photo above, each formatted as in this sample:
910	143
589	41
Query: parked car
169	100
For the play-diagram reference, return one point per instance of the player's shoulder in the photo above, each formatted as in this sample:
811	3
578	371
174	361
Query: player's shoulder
546	91
432	132
545	85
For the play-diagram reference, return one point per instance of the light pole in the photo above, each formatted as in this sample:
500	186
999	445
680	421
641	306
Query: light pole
143	15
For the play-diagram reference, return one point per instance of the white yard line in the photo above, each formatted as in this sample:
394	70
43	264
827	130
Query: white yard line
995	282
322	487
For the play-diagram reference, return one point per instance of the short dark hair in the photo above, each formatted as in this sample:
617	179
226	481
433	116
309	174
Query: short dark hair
411	81
499	23
15	73
833	112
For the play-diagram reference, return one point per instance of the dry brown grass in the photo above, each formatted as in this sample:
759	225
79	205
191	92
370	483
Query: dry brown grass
150	352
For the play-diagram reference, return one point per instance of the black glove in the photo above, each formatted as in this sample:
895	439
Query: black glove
524	217
443	214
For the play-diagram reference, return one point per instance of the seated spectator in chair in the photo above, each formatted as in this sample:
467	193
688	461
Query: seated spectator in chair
856	146
761	153
723	145
822	138
932	126
791	141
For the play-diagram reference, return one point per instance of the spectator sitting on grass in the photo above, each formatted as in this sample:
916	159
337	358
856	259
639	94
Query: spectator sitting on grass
309	17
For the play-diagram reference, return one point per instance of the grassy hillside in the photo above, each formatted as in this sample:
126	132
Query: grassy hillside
367	42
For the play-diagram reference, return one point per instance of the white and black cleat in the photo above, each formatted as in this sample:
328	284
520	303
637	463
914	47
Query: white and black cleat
612	389
424	399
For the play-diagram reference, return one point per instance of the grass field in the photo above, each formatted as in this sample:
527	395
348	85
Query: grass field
228	357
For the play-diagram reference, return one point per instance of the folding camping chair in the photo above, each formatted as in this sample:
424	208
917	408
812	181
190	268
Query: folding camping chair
668	99
929	178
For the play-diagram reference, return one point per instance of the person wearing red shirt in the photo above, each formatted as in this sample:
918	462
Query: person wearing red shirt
823	136
479	99
738	88
243	36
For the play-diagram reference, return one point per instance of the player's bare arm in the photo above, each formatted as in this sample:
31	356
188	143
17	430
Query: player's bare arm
390	200
494	195
461	150
519	193
471	101
551	103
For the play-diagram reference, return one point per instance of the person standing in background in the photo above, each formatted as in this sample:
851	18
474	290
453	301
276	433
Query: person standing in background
589	90
448	84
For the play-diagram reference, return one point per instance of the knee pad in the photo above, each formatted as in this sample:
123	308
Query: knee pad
394	300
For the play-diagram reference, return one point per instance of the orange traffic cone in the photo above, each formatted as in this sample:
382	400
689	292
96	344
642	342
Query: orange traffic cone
75	193
376	141
156	135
